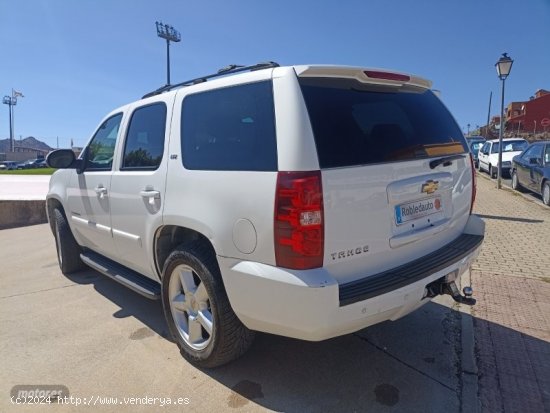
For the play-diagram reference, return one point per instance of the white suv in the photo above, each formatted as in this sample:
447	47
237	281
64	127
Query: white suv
305	201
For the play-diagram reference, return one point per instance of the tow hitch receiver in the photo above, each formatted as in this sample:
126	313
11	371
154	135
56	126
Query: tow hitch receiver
440	287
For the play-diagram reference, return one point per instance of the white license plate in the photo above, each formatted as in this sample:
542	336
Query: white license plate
417	209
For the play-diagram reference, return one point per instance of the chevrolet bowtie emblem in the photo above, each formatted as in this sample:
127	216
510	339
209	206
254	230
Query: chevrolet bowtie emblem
430	187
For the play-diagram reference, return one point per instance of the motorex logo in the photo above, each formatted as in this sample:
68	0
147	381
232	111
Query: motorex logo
25	392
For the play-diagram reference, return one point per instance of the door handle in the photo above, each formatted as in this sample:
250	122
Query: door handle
101	191
151	195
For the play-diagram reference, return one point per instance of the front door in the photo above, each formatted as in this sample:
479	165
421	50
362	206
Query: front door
88	193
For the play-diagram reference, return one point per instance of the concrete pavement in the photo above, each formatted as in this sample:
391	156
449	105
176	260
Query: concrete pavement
23	187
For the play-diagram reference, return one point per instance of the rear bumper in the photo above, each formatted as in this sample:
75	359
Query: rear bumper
311	305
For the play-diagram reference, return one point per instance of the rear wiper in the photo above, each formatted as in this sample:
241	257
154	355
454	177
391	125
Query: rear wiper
446	161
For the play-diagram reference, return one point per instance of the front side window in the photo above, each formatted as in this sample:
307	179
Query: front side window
144	144
547	155
100	151
230	129
534	151
484	148
359	124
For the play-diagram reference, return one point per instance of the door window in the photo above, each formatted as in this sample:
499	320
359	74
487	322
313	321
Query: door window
100	151
145	138
533	152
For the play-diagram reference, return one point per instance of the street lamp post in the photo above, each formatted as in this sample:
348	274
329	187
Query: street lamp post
167	32
504	66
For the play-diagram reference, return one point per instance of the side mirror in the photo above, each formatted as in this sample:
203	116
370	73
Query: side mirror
534	161
64	159
61	159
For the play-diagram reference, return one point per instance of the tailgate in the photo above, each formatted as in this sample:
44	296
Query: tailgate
373	224
396	172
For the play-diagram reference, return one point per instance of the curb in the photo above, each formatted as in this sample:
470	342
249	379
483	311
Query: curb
15	214
529	196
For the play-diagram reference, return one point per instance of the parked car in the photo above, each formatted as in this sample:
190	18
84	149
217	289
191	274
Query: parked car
8	165
32	164
40	163
475	143
28	164
488	155
531	170
303	201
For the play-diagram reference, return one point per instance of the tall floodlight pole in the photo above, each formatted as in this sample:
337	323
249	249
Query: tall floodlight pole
170	34
504	66
11	101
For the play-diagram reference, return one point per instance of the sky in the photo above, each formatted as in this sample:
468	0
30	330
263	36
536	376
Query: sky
75	61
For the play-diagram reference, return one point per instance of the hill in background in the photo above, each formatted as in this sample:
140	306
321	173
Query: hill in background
27	143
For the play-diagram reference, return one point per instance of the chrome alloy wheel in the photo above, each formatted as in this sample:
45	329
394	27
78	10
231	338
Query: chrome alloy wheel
190	307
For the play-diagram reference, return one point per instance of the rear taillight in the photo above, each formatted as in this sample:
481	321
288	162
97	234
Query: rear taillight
299	220
474	183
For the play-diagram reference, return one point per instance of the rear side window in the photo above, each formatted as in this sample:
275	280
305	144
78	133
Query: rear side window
231	129
359	124
145	138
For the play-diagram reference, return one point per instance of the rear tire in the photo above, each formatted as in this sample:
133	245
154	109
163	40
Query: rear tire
546	193
197	310
68	251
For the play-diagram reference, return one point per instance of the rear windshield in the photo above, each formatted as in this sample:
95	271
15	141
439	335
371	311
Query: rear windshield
510	146
358	124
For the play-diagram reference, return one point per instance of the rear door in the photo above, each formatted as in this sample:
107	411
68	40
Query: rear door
138	183
396	173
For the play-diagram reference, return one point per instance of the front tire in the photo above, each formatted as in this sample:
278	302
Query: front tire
546	193
197	310
516	186
68	251
493	172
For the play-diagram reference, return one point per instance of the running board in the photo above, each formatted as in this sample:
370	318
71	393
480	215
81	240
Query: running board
125	276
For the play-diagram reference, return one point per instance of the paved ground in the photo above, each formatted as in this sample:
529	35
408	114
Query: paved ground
511	279
24	187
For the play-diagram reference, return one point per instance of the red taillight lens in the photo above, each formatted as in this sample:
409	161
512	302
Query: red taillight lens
387	76
299	220
474	183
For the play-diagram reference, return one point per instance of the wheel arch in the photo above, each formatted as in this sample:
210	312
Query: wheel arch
169	237
51	204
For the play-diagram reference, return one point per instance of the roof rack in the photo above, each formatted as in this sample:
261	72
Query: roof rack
231	69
